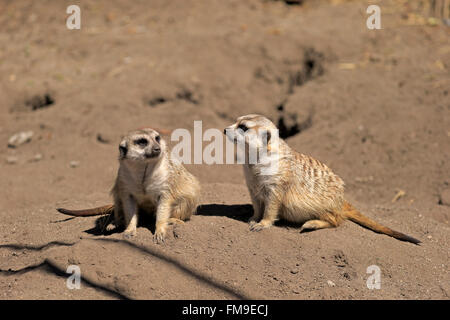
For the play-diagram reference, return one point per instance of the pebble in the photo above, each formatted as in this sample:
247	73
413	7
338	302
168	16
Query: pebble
74	164
102	138
331	283
364	179
20	138
445	197
12	160
37	157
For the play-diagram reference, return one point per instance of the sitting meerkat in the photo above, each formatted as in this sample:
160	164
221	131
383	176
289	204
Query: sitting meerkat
148	179
298	188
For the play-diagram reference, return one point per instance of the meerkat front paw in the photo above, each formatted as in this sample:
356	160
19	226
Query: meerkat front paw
110	228
159	236
259	226
253	220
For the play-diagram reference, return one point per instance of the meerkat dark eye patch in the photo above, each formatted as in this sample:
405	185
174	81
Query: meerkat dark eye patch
243	127
158	138
142	142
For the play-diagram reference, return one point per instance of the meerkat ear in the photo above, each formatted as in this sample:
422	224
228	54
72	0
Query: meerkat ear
163	132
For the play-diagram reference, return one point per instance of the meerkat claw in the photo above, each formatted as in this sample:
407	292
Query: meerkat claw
159	238
258	227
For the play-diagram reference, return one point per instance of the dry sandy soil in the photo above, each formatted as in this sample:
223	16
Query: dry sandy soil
374	105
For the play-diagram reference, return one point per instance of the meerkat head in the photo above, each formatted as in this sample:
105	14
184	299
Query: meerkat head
252	130
142	145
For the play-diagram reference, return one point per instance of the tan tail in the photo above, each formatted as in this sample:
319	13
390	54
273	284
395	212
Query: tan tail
352	214
89	212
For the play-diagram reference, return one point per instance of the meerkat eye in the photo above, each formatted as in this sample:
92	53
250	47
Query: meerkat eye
158	138
243	127
142	142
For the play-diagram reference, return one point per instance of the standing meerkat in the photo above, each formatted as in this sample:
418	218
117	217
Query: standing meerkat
148	180
299	189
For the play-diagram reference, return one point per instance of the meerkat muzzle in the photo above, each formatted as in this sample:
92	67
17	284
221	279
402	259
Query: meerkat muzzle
155	152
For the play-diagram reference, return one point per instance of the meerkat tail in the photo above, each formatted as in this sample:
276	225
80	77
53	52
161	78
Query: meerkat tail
108	209
352	214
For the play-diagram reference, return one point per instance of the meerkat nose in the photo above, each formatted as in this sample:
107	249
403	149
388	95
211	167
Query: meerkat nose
123	150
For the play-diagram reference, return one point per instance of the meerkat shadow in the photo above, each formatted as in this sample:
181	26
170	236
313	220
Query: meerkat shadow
146	220
240	212
294	225
101	226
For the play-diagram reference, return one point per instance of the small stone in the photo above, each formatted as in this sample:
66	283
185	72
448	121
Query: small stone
37	157
73	261
400	194
429	237
74	164
294	271
102	138
12	160
331	283
364	179
445	197
20	138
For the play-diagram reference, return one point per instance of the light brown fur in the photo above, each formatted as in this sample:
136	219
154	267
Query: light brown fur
302	189
148	180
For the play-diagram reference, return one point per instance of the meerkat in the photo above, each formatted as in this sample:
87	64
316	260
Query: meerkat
299	189
148	180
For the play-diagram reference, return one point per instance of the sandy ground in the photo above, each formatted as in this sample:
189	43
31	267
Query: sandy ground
373	105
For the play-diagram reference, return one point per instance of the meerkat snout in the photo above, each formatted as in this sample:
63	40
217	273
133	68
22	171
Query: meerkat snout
156	151
123	150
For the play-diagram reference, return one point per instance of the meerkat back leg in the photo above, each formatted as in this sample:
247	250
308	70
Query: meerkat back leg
183	209
130	209
175	220
271	210
162	218
315	225
118	215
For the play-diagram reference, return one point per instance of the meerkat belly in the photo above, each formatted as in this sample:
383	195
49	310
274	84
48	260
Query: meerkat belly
146	204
